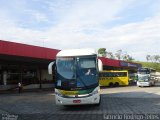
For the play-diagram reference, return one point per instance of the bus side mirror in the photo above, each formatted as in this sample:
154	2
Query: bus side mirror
100	65
50	67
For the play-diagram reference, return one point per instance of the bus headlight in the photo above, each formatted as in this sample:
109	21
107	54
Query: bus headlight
58	93
94	92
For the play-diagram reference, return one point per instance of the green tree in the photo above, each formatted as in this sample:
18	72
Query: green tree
153	58
127	57
118	54
156	58
130	59
102	52
151	65
153	61
110	55
148	57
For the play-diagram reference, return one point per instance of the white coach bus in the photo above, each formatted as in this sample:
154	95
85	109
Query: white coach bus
76	73
146	77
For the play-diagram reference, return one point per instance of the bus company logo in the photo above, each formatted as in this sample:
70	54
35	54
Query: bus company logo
132	65
9	117
126	64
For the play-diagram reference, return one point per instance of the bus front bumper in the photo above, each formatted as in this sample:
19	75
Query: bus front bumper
94	99
143	83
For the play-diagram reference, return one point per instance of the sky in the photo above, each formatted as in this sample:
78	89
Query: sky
130	25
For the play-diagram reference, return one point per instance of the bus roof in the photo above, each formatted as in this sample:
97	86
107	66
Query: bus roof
76	52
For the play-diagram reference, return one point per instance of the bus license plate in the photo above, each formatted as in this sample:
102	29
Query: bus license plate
76	101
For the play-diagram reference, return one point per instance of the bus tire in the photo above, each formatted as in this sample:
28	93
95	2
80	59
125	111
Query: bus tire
111	84
116	84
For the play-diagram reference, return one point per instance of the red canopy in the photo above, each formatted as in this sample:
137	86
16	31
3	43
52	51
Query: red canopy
18	49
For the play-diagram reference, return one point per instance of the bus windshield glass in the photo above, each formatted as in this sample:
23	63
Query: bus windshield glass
76	72
143	78
144	71
65	67
86	72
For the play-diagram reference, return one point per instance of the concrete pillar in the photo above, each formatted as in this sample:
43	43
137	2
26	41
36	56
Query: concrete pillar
21	74
40	77
4	78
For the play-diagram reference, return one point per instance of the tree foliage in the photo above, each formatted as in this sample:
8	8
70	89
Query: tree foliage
110	55
153	58
151	65
102	52
120	54
153	61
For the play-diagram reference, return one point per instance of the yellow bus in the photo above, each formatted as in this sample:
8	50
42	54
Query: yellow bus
113	78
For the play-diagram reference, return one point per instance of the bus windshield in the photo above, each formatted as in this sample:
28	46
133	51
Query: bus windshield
143	71
76	73
143	78
65	67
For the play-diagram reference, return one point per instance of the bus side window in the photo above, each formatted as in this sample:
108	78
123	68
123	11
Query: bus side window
100	74
108	74
125	74
120	74
104	74
114	74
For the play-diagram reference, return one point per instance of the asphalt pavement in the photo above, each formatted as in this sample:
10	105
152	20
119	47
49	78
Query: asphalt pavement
130	103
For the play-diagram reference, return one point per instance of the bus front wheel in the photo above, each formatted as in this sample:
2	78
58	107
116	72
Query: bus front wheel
116	84
111	84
